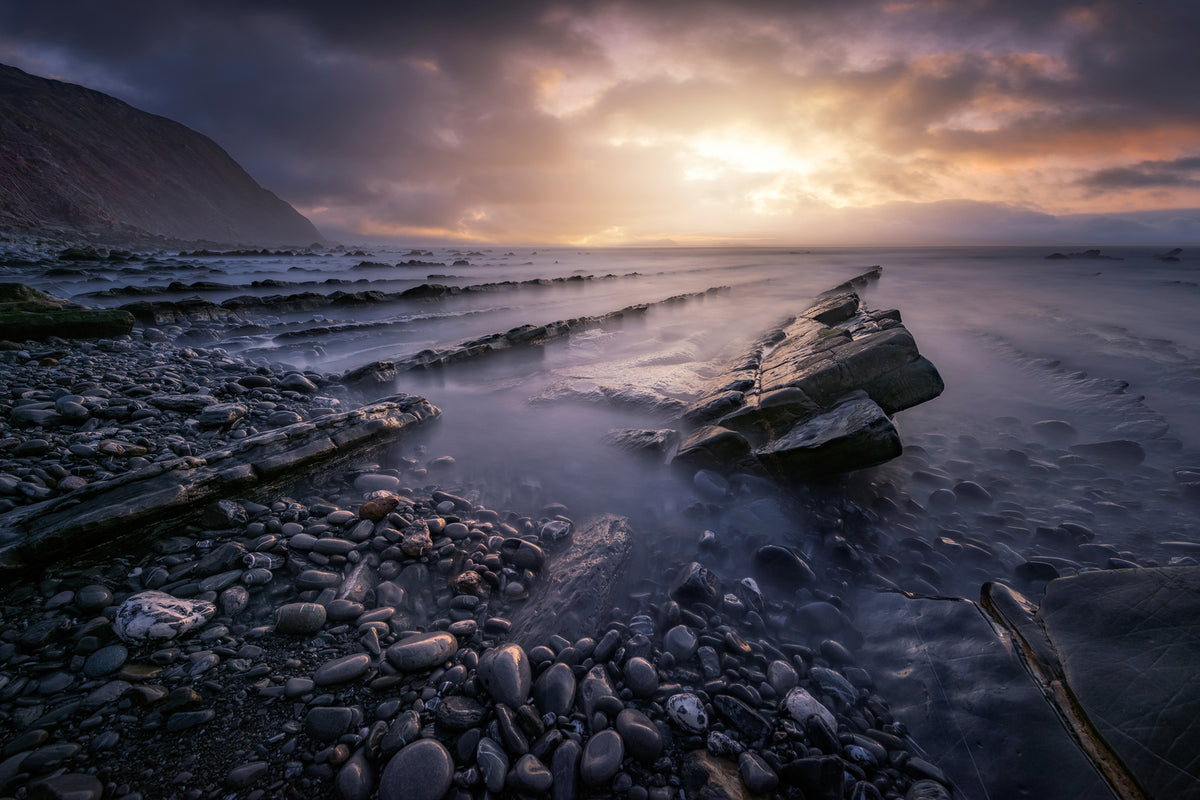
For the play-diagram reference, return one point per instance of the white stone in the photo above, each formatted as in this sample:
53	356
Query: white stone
157	615
686	711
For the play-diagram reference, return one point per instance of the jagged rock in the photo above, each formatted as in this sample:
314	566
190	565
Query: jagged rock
75	323
855	433
713	446
812	398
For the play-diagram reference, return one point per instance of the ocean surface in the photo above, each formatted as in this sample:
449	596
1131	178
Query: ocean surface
1108	343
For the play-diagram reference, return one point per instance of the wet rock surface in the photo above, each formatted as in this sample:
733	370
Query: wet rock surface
814	397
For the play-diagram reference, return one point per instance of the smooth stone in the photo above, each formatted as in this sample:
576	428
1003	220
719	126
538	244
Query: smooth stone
782	566
927	790
356	779
696	583
530	776
680	642
68	786
641	677
506	674
602	756
299	618
105	661
564	767
554	690
342	670
246	775
155	615
686	711
641	738
93	597
422	770
523	554
756	774
782	677
595	688
459	713
182	720
327	723
493	764
751	724
423	651
373	482
801	705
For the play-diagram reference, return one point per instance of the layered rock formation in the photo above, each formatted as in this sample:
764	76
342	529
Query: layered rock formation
26	313
814	397
76	162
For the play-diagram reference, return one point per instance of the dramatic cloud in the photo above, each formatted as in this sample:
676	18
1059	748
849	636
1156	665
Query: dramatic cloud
605	122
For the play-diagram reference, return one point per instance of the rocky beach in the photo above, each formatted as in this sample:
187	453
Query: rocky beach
265	549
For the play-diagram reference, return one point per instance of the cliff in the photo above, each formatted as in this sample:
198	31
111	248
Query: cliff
77	162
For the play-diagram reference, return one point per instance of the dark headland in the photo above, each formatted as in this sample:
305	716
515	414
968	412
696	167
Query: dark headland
80	164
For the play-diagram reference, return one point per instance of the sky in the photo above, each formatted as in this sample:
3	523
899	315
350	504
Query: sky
760	122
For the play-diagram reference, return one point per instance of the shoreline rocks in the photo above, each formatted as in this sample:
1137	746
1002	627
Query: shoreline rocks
813	398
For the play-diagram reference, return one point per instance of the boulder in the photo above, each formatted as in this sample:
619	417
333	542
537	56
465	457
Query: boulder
72	323
853	434
813	397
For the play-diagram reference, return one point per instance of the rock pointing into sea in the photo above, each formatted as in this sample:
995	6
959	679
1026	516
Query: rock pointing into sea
814	397
155	615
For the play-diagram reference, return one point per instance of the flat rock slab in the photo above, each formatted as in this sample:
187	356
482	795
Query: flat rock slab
105	512
579	584
969	702
1127	644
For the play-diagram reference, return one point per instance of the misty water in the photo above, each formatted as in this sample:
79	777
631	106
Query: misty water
1109	345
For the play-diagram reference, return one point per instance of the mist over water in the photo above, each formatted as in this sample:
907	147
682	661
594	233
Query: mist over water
1109	345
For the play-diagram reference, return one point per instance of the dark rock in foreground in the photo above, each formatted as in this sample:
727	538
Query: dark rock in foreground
26	313
1125	644
814	397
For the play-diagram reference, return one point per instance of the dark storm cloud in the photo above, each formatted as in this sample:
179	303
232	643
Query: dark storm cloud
1147	174
512	119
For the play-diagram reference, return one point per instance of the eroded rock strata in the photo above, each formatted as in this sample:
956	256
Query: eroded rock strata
814	397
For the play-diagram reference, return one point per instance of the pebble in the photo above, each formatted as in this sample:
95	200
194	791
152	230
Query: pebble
327	723
422	770
554	690
602	755
105	661
641	677
493	764
342	670
640	737
530	776
506	673
686	711
422	651
156	615
801	705
756	774
299	618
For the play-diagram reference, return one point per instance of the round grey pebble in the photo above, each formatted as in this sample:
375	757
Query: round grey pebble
640	737
422	651
246	775
602	757
641	677
422	770
530	776
299	618
105	661
342	670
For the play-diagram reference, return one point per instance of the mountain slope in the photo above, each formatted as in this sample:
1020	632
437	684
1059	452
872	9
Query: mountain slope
81	162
